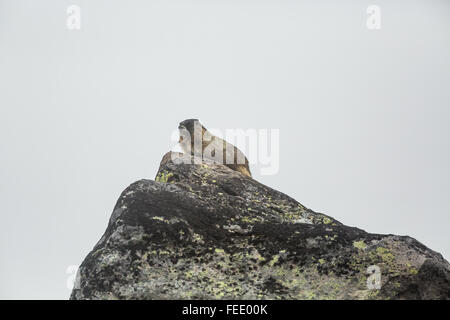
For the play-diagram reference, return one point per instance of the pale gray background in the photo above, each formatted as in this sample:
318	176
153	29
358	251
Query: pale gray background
363	115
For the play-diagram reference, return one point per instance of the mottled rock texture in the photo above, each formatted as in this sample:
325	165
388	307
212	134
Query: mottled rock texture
206	232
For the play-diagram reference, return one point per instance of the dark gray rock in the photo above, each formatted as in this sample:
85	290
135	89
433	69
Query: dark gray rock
207	232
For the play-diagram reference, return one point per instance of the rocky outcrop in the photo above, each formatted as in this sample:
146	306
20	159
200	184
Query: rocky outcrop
206	232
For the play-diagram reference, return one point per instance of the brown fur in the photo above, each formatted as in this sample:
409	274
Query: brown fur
215	143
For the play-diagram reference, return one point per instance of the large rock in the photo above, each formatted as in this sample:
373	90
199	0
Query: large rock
206	232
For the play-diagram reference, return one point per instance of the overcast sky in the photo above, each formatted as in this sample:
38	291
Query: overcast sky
363	114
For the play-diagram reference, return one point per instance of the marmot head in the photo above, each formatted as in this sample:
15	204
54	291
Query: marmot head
189	125
190	129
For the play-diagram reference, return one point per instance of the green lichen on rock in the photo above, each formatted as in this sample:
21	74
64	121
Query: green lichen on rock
385	255
327	220
163	176
359	244
208	232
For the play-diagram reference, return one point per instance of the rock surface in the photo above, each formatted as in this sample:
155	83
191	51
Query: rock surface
206	232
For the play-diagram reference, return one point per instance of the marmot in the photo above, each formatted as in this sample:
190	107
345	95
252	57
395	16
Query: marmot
204	144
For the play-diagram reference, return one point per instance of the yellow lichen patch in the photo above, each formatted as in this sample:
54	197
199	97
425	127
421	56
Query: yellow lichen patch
360	244
274	260
163	176
385	255
413	271
197	238
251	219
327	220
